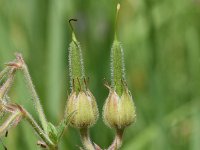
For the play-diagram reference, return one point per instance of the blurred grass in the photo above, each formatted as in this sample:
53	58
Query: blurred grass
162	54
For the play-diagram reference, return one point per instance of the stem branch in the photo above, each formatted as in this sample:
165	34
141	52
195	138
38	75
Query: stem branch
38	130
3	72
8	123
36	99
6	86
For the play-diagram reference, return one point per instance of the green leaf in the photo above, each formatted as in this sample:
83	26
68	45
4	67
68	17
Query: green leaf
52	132
62	126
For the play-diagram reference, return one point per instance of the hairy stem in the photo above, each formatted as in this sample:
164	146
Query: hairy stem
85	138
38	130
6	86
9	122
118	140
36	99
3	72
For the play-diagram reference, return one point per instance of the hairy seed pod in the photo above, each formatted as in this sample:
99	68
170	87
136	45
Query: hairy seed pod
84	107
117	67
81	102
119	111
76	67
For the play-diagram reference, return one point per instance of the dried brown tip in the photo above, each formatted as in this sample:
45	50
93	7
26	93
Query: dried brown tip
6	135
86	82
79	84
70	20
124	84
17	63
42	144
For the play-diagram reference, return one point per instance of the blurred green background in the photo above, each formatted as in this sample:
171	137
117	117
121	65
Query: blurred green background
161	40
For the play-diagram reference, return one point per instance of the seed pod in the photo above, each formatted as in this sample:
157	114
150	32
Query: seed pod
117	67
85	109
76	69
81	102
119	111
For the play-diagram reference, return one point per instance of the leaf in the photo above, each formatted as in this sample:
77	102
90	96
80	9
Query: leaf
55	133
52	132
63	124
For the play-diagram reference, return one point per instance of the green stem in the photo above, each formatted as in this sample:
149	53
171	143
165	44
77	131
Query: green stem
117	61
116	21
85	137
36	99
38	130
117	141
3	72
4	127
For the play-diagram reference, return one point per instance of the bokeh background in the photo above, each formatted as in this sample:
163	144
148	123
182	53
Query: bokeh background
161	40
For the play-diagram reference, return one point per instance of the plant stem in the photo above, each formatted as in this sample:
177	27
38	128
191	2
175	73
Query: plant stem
116	19
36	99
8	83
3	72
85	137
118	140
8	123
39	131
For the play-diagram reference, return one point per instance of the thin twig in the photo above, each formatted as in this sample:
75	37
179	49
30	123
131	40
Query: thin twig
34	94
37	128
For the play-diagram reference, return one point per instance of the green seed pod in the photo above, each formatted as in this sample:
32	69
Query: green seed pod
117	67
81	102
84	107
76	67
119	111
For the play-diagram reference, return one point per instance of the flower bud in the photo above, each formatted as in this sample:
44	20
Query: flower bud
119	111
84	107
